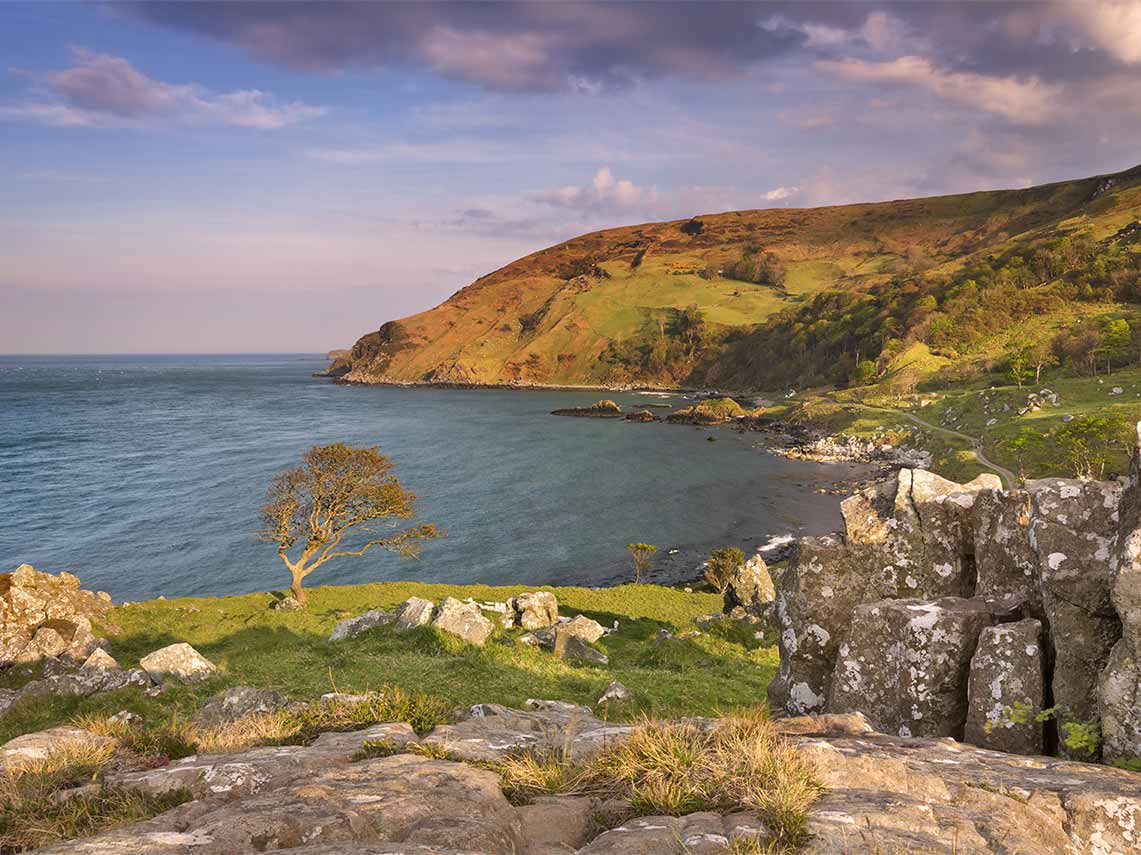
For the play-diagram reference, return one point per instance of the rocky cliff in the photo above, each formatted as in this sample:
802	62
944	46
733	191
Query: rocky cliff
1011	619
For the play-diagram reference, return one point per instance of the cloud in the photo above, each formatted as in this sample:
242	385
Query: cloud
809	122
604	192
101	90
778	193
1026	101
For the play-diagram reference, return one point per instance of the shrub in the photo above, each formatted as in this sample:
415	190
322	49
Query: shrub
693	227
721	566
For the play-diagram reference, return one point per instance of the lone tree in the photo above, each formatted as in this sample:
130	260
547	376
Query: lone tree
641	553
721	566
337	491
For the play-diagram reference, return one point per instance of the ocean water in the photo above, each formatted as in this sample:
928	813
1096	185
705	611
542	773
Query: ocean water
143	476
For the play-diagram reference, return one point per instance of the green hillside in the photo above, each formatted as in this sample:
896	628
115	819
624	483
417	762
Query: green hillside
757	300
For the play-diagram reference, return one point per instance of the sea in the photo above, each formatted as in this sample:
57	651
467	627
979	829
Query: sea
143	476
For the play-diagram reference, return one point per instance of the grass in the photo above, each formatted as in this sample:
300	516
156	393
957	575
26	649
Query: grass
288	652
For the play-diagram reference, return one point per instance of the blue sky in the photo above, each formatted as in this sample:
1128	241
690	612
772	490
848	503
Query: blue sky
263	177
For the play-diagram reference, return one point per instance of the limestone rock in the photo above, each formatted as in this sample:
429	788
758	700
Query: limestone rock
179	662
413	612
352	627
582	627
905	664
557	823
750	586
101	660
44	616
238	702
1007	674
464	620
695	834
42	744
615	692
571	646
534	610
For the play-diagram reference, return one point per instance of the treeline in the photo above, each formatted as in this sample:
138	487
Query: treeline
843	336
668	351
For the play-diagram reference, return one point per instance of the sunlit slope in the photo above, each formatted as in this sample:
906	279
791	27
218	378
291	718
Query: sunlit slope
606	307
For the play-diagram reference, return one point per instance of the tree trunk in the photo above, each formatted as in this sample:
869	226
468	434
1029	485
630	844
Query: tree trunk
296	590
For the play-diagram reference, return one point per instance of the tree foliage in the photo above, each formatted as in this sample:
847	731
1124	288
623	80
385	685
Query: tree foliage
337	492
721	566
1089	442
642	554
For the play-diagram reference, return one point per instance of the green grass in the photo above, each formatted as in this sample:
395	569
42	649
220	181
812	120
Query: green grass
289	652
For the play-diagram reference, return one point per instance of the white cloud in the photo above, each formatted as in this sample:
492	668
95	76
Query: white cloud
1025	101
100	90
604	192
778	193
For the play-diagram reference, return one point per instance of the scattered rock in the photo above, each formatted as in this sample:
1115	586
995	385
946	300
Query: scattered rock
352	627
534	610
42	744
101	660
573	647
238	702
287	604
178	661
413	612
750	586
580	626
44	616
615	692
463	620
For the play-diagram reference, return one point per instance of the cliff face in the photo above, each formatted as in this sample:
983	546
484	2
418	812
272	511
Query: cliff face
659	303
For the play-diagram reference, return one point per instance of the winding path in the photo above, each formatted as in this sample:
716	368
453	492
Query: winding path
1008	477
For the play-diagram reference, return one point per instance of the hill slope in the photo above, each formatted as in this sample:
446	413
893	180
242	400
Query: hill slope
736	299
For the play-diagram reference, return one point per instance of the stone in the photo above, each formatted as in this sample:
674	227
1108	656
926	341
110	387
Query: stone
570	646
553	824
42	744
905	664
535	610
615	692
750	586
694	834
463	620
238	702
287	604
179	662
413	612
582	627
352	627
49	642
563	707
44	616
101	660
1007	675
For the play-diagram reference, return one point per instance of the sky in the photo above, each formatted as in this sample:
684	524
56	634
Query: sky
264	177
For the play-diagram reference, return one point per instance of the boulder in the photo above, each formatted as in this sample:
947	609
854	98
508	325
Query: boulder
238	702
905	664
100	660
464	620
555	824
352	627
42	744
179	662
750	586
44	617
580	626
1006	689
413	612
573	647
534	610
615	692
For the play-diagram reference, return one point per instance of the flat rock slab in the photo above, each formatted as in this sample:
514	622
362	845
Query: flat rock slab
495	731
888	794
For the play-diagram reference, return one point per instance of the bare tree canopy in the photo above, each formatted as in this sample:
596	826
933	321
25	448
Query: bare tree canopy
338	490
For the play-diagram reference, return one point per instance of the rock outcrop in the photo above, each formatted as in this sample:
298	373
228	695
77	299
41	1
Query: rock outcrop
1059	556
750	587
47	617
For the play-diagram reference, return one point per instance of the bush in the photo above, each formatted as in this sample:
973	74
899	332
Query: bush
693	227
721	566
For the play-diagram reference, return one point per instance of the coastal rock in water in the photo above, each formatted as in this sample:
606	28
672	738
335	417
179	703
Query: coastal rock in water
1119	687
178	661
570	646
535	609
580	626
1007	689
642	416
413	612
238	702
352	627
905	663
464	620
750	586
44	616
605	409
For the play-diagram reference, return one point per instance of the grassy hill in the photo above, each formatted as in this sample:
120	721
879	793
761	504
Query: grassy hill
756	300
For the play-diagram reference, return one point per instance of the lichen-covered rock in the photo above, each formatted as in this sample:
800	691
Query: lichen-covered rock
100	660
179	662
1005	556
238	702
580	626
750	586
42	744
1119	685
1007	689
615	692
534	610
464	620
413	612
905	663
352	627
573	647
